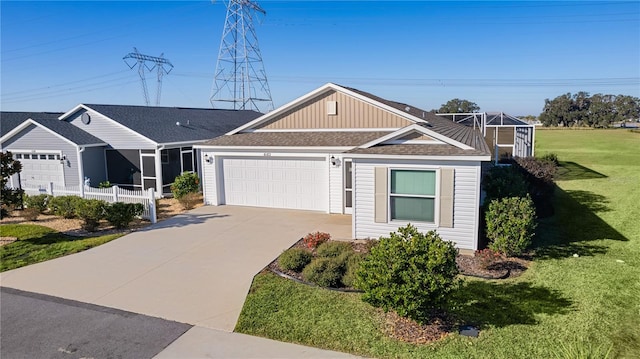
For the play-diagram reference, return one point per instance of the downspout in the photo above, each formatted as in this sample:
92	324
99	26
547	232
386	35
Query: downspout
79	151
160	189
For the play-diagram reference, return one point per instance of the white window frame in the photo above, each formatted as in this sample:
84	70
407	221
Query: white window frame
436	196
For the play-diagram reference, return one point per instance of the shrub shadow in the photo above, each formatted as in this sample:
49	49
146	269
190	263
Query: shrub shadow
484	304
184	219
569	171
51	238
574	224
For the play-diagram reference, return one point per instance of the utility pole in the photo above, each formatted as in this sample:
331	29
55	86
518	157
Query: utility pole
240	81
143	62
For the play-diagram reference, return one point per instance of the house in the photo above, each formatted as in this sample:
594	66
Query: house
507	135
134	147
341	150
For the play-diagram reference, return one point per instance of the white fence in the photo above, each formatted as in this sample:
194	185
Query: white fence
111	195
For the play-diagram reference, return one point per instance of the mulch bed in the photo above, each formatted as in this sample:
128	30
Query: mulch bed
409	331
505	268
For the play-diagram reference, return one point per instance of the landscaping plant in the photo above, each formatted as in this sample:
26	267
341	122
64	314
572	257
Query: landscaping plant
189	200
39	202
105	184
91	211
503	181
511	223
409	272
187	182
120	214
313	240
351	264
333	249
487	257
9	197
64	206
539	175
294	259
325	272
30	214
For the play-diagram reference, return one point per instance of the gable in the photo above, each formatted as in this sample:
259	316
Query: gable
350	113
417	137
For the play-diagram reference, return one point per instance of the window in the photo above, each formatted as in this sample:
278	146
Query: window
18	156
413	195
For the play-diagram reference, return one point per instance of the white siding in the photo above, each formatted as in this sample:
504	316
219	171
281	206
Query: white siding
336	187
37	138
111	132
209	179
466	201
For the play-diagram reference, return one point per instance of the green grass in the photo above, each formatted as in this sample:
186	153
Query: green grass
562	307
38	244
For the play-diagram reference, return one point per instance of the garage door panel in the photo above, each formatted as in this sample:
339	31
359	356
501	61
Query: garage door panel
296	183
41	169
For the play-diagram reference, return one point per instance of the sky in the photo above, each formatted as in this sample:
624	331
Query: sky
505	56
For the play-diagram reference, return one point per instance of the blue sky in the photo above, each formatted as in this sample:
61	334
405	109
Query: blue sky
505	56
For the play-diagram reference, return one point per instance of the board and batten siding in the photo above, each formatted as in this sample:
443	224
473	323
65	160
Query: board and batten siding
111	132
464	232
93	165
351	113
336	186
34	137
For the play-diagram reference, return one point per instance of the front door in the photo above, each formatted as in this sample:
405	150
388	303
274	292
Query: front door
348	186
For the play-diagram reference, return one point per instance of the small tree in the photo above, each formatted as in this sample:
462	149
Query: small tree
409	272
457	105
9	197
511	223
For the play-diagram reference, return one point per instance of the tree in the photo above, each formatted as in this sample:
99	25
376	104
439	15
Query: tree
458	106
599	110
557	112
9	167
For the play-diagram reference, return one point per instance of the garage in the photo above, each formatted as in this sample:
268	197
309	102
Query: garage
283	182
40	168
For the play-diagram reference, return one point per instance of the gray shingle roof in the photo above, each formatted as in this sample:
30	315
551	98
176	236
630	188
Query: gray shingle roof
70	132
418	150
10	120
159	123
457	132
297	139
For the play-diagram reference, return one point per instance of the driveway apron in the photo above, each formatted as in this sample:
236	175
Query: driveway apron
195	268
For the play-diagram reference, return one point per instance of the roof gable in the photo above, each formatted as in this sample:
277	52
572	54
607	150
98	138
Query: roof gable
11	119
63	130
412	135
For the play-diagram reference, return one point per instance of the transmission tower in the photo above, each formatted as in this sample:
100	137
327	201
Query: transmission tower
149	63
240	81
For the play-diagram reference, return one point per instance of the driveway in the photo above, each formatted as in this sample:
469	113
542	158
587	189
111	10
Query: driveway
195	268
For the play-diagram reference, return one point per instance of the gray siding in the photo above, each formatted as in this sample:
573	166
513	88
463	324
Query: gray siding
94	165
36	138
466	201
111	132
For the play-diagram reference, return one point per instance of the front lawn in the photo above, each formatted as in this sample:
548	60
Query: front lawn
38	243
564	306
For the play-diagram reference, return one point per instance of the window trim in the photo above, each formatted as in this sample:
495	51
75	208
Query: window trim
435	196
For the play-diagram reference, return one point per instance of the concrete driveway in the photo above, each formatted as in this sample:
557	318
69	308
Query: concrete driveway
195	268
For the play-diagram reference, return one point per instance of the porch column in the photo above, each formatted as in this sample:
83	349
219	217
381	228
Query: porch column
159	171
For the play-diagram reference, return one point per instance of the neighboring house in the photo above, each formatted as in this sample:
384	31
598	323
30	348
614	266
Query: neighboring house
507	136
341	150
135	147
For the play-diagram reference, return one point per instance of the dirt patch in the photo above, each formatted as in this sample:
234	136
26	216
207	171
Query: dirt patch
504	268
410	331
7	240
166	208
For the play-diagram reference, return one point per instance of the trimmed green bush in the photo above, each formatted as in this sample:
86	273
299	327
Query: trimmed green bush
187	182
539	174
511	223
120	214
409	272
91	211
325	272
503	181
550	157
64	206
30	214
333	249
40	202
351	262
294	259
105	184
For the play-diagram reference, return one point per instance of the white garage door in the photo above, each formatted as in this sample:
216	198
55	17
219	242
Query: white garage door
40	168
295	183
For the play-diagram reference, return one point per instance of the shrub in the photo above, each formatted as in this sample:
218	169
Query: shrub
105	184
325	272
9	197
487	257
503	181
539	174
64	206
333	249
91	211
187	182
351	262
313	240
39	202
550	157
120	214
30	214
294	259
189	200
510	225
409	272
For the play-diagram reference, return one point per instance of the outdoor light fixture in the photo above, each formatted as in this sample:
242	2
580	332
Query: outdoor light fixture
334	161
63	158
208	159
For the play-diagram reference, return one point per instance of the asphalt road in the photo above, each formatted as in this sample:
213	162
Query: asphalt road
40	326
